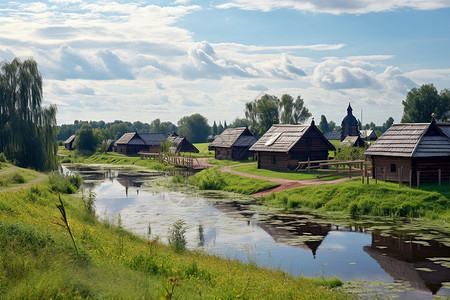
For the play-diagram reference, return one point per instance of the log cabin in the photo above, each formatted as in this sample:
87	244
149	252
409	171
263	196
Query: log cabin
282	147
420	150
68	144
368	135
181	144
353	141
233	144
134	142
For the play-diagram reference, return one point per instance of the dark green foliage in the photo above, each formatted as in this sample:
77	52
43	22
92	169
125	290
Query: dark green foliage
18	178
85	140
421	102
349	153
323	125
209	180
27	130
3	158
194	127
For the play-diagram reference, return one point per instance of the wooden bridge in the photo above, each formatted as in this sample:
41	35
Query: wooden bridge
189	162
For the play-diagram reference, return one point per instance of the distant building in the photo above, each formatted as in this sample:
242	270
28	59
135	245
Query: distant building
414	147
333	135
68	144
180	144
133	142
368	135
282	147
233	144
349	125
353	141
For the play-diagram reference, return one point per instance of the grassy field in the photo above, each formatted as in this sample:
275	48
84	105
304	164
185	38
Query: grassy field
381	199
212	179
13	176
38	260
293	175
223	162
204	152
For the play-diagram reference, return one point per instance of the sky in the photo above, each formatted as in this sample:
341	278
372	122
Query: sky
143	60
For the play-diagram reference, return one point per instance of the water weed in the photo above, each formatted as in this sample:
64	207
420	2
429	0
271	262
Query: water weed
176	236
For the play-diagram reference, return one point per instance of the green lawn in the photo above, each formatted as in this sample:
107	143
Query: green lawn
38	260
204	152
223	162
355	198
17	177
293	175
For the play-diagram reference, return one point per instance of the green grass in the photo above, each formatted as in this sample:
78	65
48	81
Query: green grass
354	198
113	158
203	150
293	175
220	162
16	177
212	179
38	260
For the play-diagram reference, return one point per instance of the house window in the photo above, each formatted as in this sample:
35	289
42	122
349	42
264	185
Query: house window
274	159
393	168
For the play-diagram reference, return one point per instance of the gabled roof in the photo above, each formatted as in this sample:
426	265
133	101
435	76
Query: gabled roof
368	133
146	139
332	135
234	137
70	139
181	144
352	141
413	140
281	138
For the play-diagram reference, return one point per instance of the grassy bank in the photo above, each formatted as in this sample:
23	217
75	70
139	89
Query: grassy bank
112	158
224	162
212	179
293	175
38	260
354	198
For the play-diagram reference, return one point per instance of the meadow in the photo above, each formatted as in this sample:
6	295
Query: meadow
39	259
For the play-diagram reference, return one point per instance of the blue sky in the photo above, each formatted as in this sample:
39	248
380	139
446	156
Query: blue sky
144	60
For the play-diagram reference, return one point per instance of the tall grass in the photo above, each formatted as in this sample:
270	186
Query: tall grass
66	184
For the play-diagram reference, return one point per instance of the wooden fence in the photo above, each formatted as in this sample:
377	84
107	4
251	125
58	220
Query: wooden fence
170	159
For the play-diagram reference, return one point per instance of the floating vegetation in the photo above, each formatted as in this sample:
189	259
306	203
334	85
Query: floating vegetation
425	270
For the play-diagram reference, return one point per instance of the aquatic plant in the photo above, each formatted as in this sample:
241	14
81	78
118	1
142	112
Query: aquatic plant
176	236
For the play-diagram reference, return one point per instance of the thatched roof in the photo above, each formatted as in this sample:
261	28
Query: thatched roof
281	138
352	141
234	137
413	140
181	144
146	139
70	139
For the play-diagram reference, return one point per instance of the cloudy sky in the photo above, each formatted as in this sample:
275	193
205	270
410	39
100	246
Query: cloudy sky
143	60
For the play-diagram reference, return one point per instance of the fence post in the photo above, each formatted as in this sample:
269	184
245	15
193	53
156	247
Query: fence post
309	165
349	170
400	171
418	178
439	176
410	177
384	174
362	175
367	176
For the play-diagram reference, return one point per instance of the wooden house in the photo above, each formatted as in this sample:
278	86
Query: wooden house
180	144
333	135
420	150
282	147
349	125
133	142
353	141
368	135
233	144
68	144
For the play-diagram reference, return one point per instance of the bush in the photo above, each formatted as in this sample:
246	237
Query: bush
210	179
65	184
349	153
176	236
3	158
18	178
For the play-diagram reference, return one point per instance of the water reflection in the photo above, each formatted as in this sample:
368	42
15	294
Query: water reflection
299	244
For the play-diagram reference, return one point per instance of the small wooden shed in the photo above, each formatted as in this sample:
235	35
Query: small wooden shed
233	144
353	141
133	142
181	144
412	152
368	135
282	147
68	144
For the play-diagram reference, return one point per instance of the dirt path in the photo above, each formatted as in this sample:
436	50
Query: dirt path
38	179
202	163
285	184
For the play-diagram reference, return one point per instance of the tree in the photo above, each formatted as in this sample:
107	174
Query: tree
293	112
421	103
331	125
262	113
240	123
27	129
220	128
156	126
214	129
195	128
387	124
323	125
85	139
225	126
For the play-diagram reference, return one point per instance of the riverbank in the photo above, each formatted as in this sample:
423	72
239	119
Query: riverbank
38	259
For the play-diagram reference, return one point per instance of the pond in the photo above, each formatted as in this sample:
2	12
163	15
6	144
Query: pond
409	263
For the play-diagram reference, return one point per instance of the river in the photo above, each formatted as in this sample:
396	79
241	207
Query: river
385	262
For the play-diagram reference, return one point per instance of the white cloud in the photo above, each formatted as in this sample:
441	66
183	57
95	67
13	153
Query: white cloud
336	7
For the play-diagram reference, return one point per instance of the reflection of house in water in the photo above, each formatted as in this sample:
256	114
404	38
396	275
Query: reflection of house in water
296	231
407	261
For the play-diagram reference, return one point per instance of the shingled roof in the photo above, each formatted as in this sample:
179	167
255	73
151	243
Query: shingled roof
181	144
413	140
146	139
70	139
352	141
281	138
234	137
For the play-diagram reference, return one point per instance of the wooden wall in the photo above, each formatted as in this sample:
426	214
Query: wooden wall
383	162
233	153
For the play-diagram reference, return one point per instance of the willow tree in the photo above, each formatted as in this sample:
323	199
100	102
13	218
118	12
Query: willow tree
27	129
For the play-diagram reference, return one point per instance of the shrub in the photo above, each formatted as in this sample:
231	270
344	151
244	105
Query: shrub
66	184
176	236
3	158
349	153
209	179
18	178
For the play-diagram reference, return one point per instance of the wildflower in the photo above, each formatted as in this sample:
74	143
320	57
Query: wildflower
238	296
